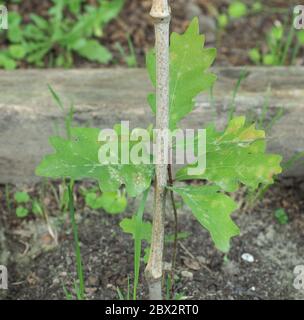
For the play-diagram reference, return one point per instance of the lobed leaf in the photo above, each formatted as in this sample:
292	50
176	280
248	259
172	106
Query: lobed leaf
188	77
212	209
235	156
78	159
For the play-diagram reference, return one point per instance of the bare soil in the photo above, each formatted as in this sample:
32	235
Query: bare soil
38	268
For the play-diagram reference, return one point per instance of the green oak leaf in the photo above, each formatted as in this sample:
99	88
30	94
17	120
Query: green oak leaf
188	77
212	209
78	159
236	155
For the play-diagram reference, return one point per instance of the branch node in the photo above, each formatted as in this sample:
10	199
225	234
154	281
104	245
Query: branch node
160	10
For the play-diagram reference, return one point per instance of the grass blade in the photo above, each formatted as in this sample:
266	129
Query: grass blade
80	291
137	241
232	105
56	98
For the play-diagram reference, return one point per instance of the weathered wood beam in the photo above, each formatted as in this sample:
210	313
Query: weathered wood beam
103	97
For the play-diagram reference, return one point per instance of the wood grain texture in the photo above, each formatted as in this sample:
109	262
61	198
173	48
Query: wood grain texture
103	97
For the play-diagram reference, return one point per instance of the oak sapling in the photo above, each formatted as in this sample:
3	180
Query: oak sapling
161	13
235	156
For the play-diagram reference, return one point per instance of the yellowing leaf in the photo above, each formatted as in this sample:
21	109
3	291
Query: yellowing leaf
235	156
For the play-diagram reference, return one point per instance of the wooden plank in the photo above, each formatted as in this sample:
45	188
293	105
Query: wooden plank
103	97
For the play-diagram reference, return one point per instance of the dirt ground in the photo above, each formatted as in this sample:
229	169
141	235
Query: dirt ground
38	268
134	20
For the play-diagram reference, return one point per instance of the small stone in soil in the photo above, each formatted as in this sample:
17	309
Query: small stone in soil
187	274
192	264
248	257
93	281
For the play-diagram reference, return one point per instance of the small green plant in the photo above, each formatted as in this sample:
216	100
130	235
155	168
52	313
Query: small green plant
71	28
283	46
129	58
93	201
25	205
281	216
21	212
37	208
121	296
237	10
142	231
235	156
22	197
66	201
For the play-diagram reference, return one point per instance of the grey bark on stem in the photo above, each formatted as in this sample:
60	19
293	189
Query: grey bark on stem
161	13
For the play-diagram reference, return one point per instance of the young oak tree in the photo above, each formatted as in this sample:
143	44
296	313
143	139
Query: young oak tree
161	13
237	155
